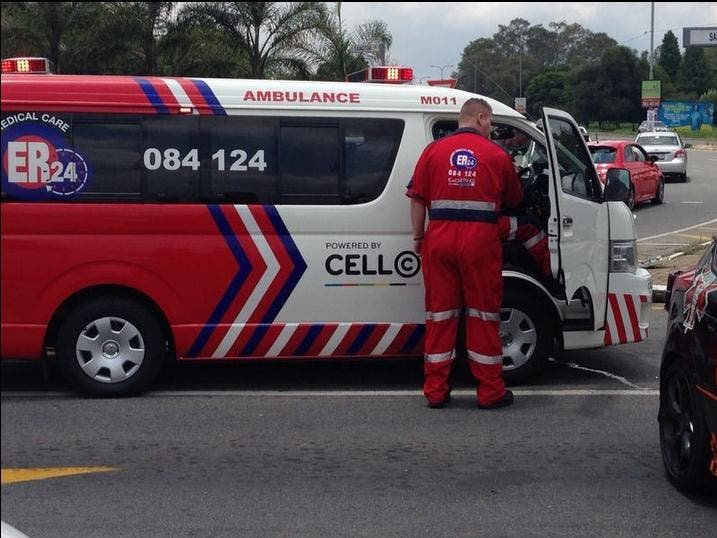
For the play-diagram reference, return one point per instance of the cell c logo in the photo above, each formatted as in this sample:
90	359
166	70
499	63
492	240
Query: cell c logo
407	264
463	159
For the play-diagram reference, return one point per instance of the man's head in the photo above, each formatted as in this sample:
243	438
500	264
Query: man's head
476	114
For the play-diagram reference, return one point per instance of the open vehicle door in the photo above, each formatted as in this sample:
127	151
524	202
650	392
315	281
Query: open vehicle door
579	221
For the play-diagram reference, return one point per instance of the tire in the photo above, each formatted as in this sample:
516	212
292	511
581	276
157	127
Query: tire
660	194
110	346
630	202
526	329
684	439
683	177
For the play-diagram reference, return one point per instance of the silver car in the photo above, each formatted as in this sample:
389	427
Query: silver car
648	126
667	146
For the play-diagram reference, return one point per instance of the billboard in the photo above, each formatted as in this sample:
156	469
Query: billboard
681	113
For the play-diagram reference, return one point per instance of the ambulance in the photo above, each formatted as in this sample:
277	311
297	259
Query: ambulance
155	218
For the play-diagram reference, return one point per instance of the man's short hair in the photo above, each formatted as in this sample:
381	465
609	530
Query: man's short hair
474	106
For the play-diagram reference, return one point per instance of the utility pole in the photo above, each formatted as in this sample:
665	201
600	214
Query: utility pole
652	37
520	66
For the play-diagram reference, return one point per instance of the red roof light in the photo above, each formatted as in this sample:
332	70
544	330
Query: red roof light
389	74
26	65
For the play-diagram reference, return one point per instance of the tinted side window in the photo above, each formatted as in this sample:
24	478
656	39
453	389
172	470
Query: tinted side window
369	148
628	155
310	164
240	160
170	158
112	151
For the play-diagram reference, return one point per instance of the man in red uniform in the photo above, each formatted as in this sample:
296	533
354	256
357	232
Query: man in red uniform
463	180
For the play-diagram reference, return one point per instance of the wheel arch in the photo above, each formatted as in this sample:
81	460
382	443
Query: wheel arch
94	292
528	284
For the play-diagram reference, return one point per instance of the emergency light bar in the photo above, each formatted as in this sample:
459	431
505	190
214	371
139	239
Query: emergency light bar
387	74
26	65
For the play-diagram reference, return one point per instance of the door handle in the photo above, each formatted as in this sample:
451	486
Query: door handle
567	221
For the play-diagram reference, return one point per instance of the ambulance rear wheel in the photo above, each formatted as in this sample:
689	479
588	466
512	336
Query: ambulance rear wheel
110	346
526	331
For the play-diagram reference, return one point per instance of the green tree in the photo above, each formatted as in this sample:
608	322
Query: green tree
670	56
502	67
551	88
694	75
273	36
339	50
52	30
611	90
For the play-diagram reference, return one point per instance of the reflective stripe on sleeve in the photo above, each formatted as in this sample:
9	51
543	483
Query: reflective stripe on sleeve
485	316
485	359
442	316
440	357
513	228
537	238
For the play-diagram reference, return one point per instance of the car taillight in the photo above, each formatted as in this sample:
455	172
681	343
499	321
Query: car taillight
680	153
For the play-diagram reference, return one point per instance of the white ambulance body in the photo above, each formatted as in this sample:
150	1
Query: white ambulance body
359	255
285	201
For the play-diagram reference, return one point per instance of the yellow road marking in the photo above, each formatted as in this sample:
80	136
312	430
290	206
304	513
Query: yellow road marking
658	307
10	476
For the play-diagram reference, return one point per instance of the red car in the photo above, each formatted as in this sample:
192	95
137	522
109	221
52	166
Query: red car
647	181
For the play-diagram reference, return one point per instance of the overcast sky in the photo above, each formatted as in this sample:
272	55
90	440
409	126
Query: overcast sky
432	33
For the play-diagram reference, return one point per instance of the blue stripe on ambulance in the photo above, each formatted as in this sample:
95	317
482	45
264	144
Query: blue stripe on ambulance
234	286
209	97
152	95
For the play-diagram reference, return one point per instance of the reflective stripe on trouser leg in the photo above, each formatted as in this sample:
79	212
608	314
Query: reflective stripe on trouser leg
436	387
485	354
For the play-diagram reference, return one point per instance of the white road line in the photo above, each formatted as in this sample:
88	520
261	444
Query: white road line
601	372
677	231
341	393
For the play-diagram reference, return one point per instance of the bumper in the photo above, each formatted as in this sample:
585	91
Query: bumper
629	303
675	166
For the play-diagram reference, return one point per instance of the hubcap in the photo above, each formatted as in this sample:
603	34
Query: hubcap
518	336
110	350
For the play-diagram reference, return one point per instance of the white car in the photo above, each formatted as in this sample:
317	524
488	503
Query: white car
650	126
667	146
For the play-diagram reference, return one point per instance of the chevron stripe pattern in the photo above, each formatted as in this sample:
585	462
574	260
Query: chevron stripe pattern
269	267
623	319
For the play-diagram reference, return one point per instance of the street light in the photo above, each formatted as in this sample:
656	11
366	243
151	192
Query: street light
442	67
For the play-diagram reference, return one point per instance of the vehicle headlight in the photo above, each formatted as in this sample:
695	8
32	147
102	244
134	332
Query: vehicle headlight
623	256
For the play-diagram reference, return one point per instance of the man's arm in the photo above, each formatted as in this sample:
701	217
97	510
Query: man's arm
513	191
418	223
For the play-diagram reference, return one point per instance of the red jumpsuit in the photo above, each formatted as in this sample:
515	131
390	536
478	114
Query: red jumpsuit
464	180
533	239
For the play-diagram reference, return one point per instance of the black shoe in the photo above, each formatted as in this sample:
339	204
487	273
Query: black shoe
505	401
442	403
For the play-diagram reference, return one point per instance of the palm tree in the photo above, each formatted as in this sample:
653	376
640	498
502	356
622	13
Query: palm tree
341	51
271	35
49	29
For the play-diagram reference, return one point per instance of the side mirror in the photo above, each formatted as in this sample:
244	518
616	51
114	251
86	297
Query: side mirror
688	146
617	185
